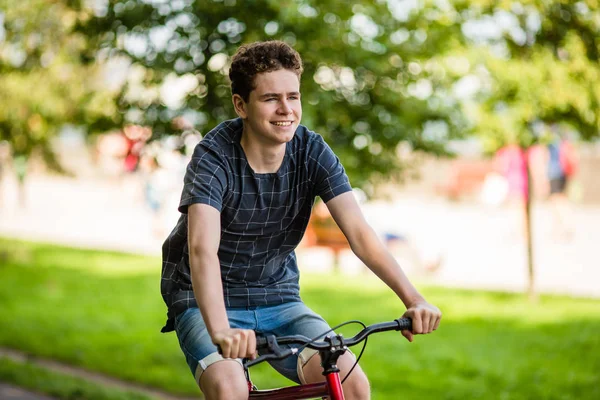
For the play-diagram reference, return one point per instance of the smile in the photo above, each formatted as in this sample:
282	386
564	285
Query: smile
282	123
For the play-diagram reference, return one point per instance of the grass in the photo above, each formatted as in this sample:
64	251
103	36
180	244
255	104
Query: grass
103	311
60	386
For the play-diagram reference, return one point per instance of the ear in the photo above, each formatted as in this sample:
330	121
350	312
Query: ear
240	106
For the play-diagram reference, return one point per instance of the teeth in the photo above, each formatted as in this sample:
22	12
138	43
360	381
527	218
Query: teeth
282	123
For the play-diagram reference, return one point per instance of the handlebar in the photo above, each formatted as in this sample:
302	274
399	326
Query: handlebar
271	343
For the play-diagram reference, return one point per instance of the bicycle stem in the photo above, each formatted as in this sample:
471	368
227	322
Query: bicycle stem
330	356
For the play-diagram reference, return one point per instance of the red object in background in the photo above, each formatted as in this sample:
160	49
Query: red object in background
136	136
568	158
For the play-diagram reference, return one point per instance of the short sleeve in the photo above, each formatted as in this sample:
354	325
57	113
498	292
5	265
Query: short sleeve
330	177
205	179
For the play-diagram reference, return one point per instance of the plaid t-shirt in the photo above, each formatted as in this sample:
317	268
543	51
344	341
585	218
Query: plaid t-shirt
263	217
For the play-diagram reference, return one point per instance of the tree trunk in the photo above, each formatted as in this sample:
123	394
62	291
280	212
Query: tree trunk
531	291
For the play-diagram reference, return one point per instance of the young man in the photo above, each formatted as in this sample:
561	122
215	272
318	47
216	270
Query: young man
229	268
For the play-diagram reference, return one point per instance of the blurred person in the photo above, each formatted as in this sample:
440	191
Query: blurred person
511	162
131	181
156	182
229	267
109	152
562	165
162	168
538	170
136	136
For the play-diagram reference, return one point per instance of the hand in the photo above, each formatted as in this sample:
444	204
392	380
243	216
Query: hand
236	343
425	319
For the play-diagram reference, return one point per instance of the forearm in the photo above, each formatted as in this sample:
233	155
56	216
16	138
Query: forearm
208	290
373	253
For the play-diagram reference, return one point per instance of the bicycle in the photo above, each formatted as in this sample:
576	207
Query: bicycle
330	349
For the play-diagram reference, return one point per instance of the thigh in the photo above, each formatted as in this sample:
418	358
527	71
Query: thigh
287	319
194	340
196	343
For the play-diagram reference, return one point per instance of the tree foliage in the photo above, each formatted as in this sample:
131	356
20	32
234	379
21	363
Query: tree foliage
44	84
375	72
540	68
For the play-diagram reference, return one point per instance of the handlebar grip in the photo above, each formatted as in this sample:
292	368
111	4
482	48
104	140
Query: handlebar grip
404	324
261	342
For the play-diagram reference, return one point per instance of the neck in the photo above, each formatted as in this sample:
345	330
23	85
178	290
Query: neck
263	159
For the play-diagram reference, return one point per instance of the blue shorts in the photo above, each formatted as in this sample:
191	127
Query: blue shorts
293	318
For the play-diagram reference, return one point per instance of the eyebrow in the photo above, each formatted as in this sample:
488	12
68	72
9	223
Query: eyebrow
264	96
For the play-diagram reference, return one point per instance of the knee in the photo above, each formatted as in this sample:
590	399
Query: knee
357	386
223	389
224	386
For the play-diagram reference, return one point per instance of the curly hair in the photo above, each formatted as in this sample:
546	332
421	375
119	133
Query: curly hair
255	58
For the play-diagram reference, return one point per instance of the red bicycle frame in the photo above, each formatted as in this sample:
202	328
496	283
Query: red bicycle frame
332	387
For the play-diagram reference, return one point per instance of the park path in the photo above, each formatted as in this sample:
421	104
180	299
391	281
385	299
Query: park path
10	392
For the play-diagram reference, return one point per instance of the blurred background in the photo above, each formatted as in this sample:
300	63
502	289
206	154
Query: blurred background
469	129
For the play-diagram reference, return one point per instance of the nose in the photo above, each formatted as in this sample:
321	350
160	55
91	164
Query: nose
285	108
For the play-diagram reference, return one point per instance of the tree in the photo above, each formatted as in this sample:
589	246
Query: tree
537	67
44	81
375	74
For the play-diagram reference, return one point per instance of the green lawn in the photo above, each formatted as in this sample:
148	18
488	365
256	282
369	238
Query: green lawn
103	311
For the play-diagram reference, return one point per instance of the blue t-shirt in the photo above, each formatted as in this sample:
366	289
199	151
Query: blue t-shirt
263	217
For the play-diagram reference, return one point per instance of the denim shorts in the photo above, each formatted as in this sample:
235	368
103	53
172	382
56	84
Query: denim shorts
293	318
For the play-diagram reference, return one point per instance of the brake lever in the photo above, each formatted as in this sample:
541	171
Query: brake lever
275	355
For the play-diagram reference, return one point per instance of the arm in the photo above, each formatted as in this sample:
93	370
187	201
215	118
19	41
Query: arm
368	247
204	234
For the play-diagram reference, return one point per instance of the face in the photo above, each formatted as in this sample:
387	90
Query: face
273	110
